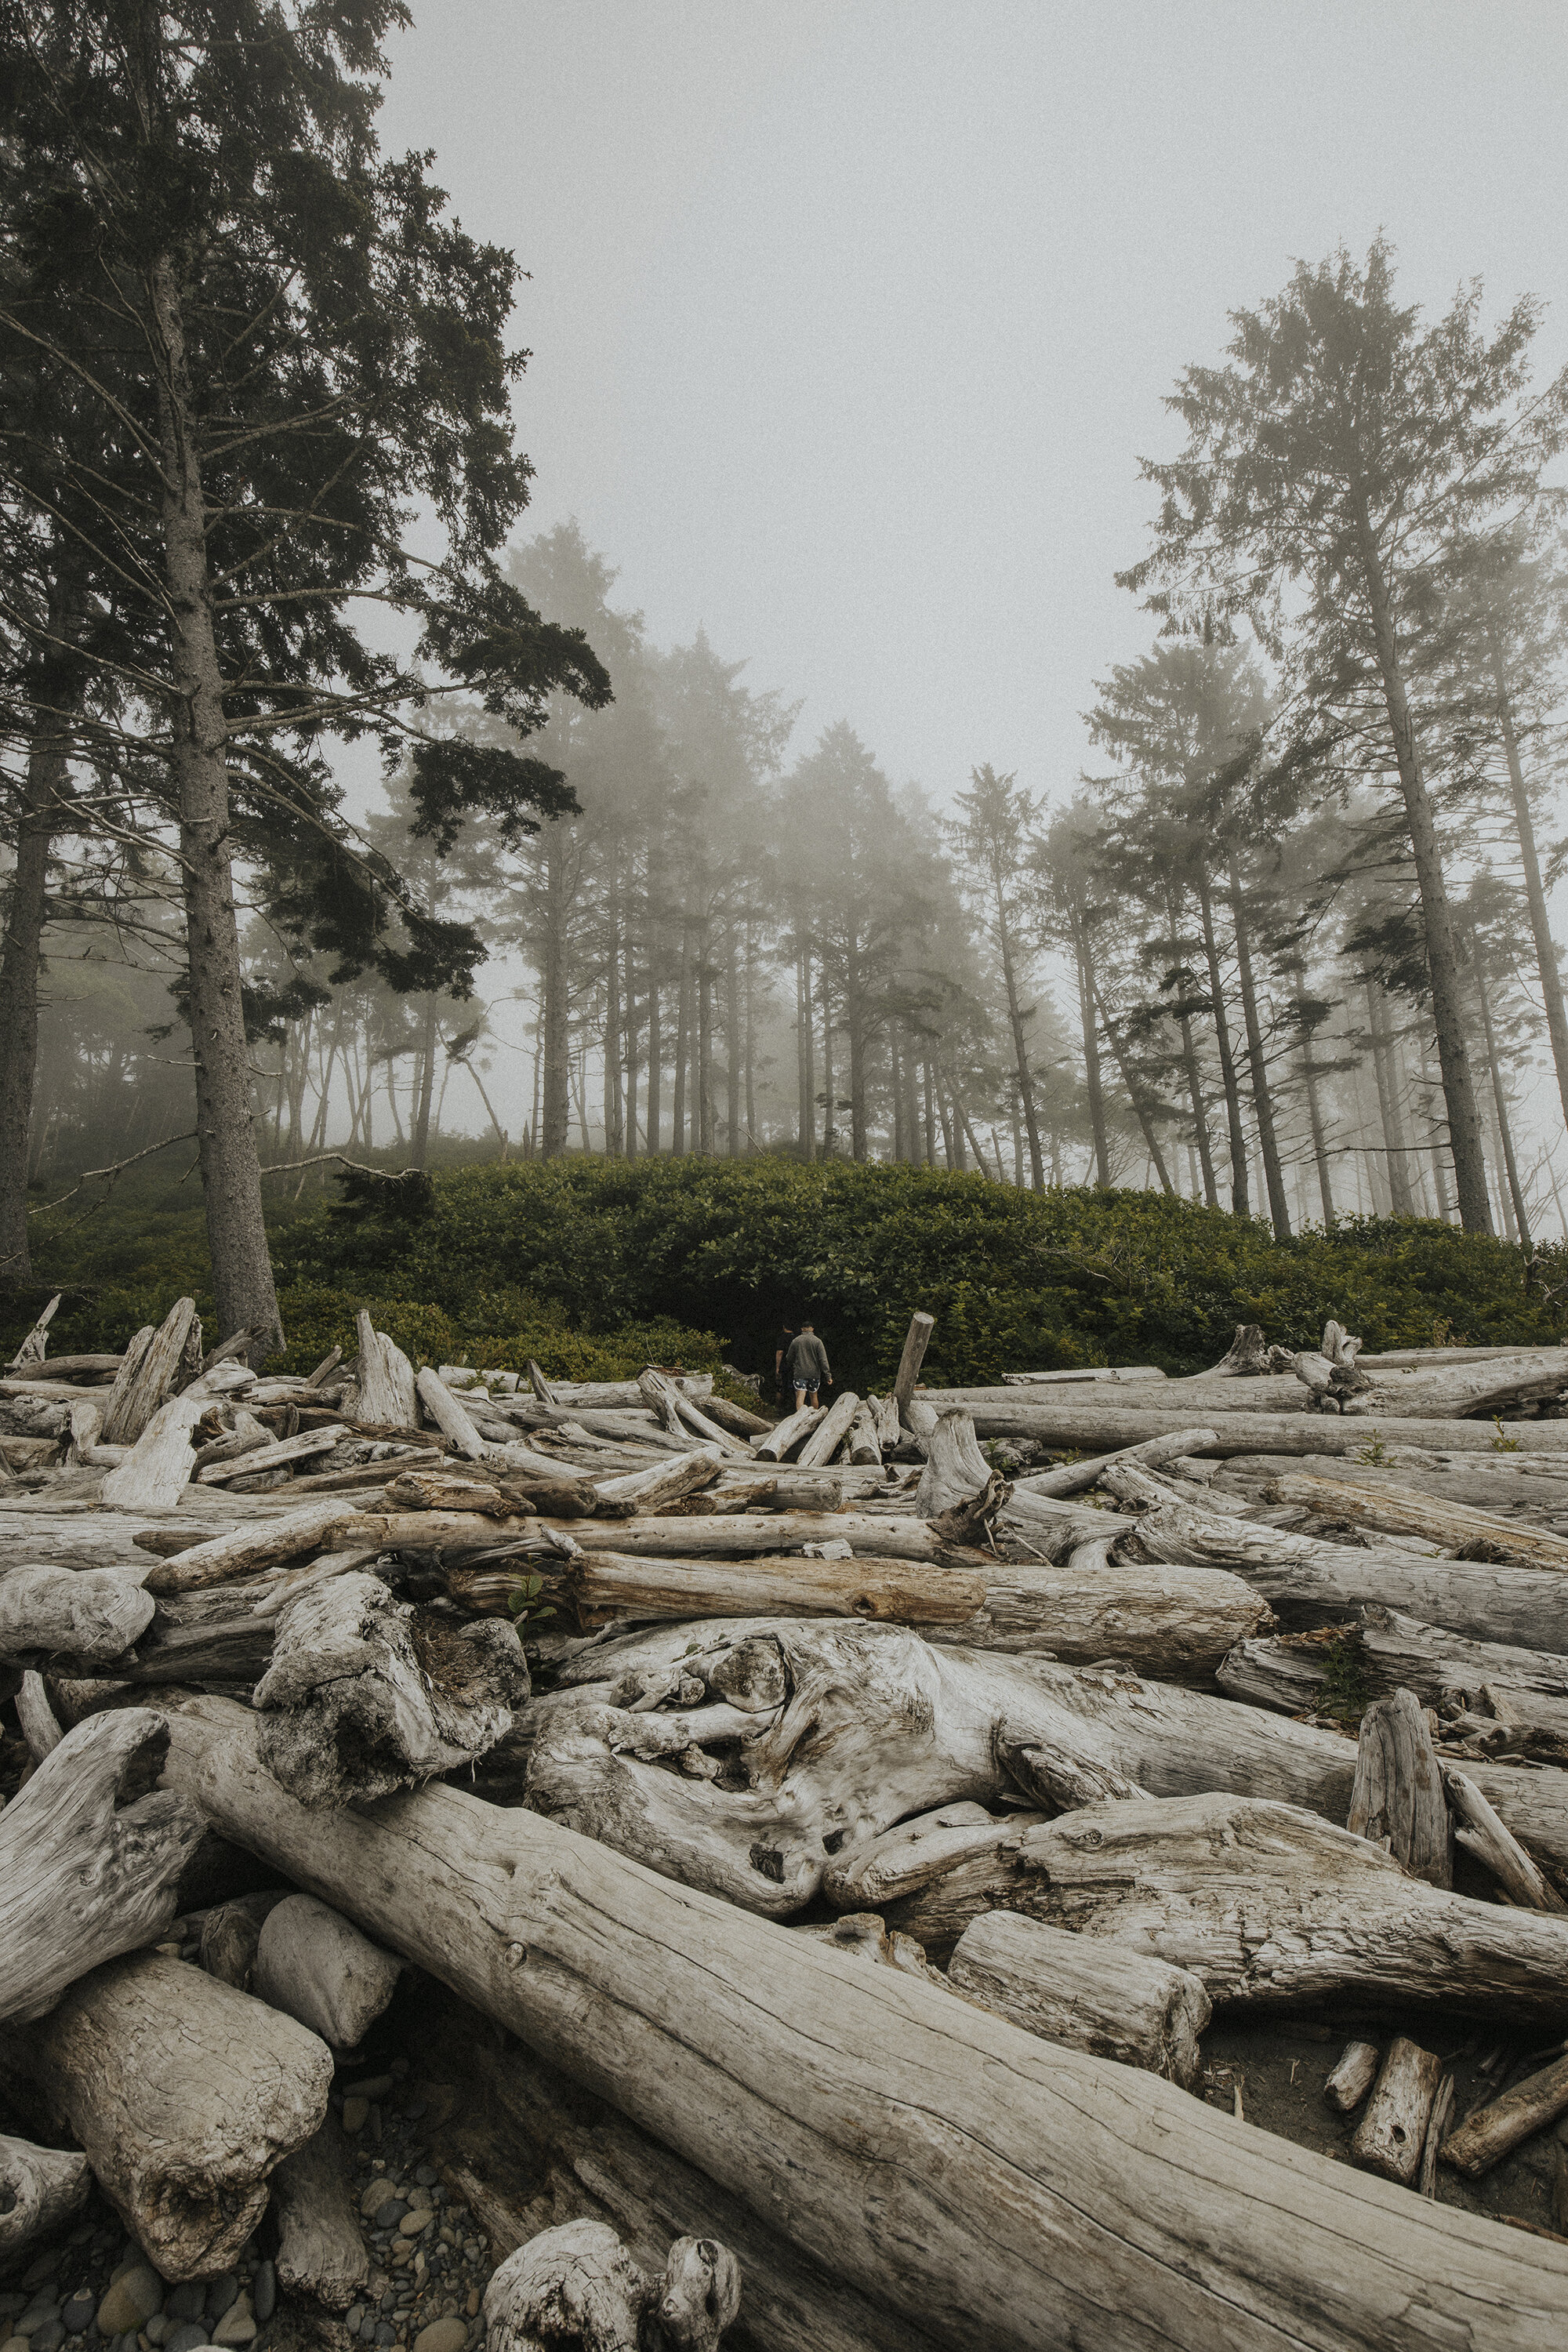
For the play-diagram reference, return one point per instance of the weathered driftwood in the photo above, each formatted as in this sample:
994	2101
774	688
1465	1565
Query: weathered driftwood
230	1934
1103	1425
824	1442
254	1461
1392	2132
1077	1477
892	1591
864	1443
576	2287
320	2252
1308	1583
911	1356
1175	1624
259	1544
663	1483
450	1416
451	1490
183	2094
1085	1993
1392	1510
864	1934
41	2189
789	1434
386	1386
1436	2132
1245	1358
90	1857
90	1617
316	1965
679	1413
1270	1906
36	1717
1491	1840
1397	1800
955	1467
35	1347
727	1537
735	1418
1352	2077
159	1466
365	1695
148	1373
984	2189
1436	1395
1488	2134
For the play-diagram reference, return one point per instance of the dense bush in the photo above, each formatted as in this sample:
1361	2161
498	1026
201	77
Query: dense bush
597	1267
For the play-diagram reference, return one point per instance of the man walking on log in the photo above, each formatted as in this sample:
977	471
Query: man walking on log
808	1368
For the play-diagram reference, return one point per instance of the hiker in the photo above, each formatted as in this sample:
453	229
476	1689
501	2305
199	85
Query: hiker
781	1350
808	1368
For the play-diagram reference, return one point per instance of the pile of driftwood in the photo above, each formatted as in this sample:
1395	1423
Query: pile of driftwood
855	1829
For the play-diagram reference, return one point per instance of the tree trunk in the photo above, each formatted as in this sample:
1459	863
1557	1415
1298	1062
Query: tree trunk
1500	1100
614	1048
1090	1055
1135	1095
1262	1095
682	1043
733	1072
43	803
1238	1186
227	1145
804	1057
654	1058
930	2156
556	1115
1086	1994
706	974
419	1156
1314	1101
1193	1072
1016	1018
1540	918
1442	947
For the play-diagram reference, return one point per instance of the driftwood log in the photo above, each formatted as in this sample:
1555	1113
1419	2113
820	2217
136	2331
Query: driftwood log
1392	2132
449	1414
1401	1511
576	2287
1494	1846
604	1584
824	1442
1352	2077
87	1616
148	1372
1397	1800
317	1967
386	1386
1084	1992
917	1339
787	1435
159	1466
320	2252
260	1543
1175	1624
1488	2134
1108	1425
41	2189
987	2189
1268	1905
364	1695
183	2094
91	1858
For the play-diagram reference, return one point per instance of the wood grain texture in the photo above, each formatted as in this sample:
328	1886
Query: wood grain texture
1088	1995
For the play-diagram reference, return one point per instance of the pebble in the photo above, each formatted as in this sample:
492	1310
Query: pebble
237	2325
42	2308
370	2087
49	2337
355	2110
416	2223
379	2191
426	2176
78	2312
264	2294
132	2299
442	2336
157	2331
14	2344
186	2336
188	2301
221	2293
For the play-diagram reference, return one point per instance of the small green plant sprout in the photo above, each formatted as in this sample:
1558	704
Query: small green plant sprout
522	1600
1346	1688
1374	1450
1502	1443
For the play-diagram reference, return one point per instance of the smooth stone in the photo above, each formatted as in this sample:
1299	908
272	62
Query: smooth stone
353	2317
356	2111
426	2176
377	2192
442	2336
186	2337
49	2337
187	2301
414	2110
157	2331
44	2266
237	2325
14	2344
41	2307
264	2293
414	2223
136	2295
221	2293
386	2333
78	2311
369	2086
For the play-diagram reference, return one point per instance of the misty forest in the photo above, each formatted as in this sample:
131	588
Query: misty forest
782	1558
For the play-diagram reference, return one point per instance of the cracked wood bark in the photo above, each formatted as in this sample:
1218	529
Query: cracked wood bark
183	2094
1269	1907
365	1696
147	1375
899	1591
1494	1844
158	1468
250	1465
41	2189
992	2193
36	1717
955	1467
1400	1511
90	1857
663	1483
386	1386
1488	2134
724	1536
1392	2132
1352	2077
260	1543
1088	1995
1397	1799
1174	1624
90	1616
1097	1428
320	2252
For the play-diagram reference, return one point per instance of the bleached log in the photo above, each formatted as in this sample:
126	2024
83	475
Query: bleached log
1086	1994
1403	1512
386	1385
888	1591
183	2094
320	2252
1397	1799
35	1347
1392	2133
1488	2134
149	1373
1268	1905
261	1543
913	1356
723	1536
1175	1624
938	2162
90	1616
230	1934
788	1434
1247	1355
273	1458
824	1442
1495	1846
955	1467
1103	1427
735	1418
1352	2077
1436	2132
447	1490
575	2285
90	1857
865	1445
1077	1477
664	1484
679	1412
446	1410
886	1408
318	1967
159	1466
36	1717
364	1697
41	2189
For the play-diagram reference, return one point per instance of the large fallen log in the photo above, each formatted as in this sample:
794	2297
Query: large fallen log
1077	1477
90	1857
1268	1905
605	1584
317	1967
260	1543
882	1726
320	2252
1434	1395
148	1371
1174	1624
41	2189
183	2094
1392	1510
88	1616
1103	1427
994	2190
727	1537
365	1695
1088	1994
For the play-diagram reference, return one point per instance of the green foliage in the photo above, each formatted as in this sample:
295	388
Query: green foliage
1346	1690
523	1601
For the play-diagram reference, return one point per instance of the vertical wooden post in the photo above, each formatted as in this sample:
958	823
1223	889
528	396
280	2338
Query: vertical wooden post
909	1362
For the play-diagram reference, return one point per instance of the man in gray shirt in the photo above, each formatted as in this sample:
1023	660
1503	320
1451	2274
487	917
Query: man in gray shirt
806	1360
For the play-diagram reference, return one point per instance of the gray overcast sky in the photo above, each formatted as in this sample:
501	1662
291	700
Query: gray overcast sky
851	316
